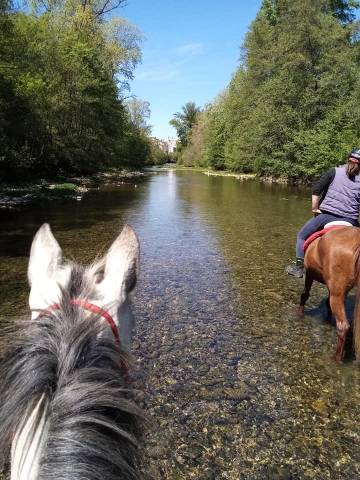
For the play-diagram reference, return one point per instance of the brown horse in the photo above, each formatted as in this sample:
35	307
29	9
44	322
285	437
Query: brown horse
333	260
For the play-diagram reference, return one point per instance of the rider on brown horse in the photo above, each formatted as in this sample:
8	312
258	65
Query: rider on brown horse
336	196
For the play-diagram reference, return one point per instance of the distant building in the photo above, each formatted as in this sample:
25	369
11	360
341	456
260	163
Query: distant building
167	146
171	144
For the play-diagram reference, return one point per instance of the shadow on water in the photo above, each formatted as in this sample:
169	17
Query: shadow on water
238	387
321	310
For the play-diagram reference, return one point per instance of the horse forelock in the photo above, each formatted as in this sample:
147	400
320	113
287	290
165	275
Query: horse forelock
92	418
82	281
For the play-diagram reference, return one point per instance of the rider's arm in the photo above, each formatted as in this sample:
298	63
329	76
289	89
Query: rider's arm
320	188
315	200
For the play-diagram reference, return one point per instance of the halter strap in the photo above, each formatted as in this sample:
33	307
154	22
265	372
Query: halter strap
103	313
91	308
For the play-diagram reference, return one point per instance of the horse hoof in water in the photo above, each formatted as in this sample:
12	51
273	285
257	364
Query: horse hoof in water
301	311
337	359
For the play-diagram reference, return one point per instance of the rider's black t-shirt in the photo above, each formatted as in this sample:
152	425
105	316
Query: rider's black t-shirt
320	187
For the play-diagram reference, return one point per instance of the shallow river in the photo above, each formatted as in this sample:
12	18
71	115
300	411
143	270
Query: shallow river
235	386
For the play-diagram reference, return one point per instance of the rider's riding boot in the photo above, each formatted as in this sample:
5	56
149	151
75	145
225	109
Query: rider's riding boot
297	268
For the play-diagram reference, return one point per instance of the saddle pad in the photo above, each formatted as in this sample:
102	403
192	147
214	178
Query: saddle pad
338	222
320	233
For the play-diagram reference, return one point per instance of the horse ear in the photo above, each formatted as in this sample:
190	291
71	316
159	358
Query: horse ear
45	255
121	266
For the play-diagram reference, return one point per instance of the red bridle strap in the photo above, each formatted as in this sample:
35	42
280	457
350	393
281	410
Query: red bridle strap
103	313
99	311
91	308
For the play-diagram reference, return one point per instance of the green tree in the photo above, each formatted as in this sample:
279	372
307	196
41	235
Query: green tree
184	121
139	111
196	151
20	127
344	10
291	107
63	72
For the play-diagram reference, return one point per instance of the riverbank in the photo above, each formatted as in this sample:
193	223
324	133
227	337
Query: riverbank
71	188
240	176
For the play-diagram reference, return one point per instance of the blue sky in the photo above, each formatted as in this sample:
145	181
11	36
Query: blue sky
190	51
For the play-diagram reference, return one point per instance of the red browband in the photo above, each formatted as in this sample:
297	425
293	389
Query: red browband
91	308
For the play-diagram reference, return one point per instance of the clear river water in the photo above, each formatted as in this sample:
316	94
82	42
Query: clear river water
234	385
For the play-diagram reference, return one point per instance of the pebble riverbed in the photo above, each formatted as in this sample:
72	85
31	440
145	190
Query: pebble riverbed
233	384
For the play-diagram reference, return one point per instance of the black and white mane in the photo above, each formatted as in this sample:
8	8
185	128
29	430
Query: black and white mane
66	411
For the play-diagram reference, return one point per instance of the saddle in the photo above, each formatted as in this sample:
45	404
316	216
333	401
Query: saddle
327	228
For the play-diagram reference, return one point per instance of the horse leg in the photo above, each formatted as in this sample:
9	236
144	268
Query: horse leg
306	293
328	309
337	304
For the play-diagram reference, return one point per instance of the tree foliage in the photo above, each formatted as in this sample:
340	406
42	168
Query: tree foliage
184	121
139	111
291	108
62	75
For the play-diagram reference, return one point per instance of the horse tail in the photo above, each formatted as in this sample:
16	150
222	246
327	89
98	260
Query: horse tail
29	441
356	320
65	408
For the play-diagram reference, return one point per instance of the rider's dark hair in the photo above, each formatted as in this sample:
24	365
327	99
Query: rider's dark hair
352	169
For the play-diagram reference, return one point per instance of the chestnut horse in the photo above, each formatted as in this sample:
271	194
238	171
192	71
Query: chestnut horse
333	260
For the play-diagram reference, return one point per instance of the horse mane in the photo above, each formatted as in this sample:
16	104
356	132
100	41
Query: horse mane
93	424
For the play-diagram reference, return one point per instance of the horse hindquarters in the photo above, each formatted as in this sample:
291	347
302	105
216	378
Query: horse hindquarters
336	305
339	287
